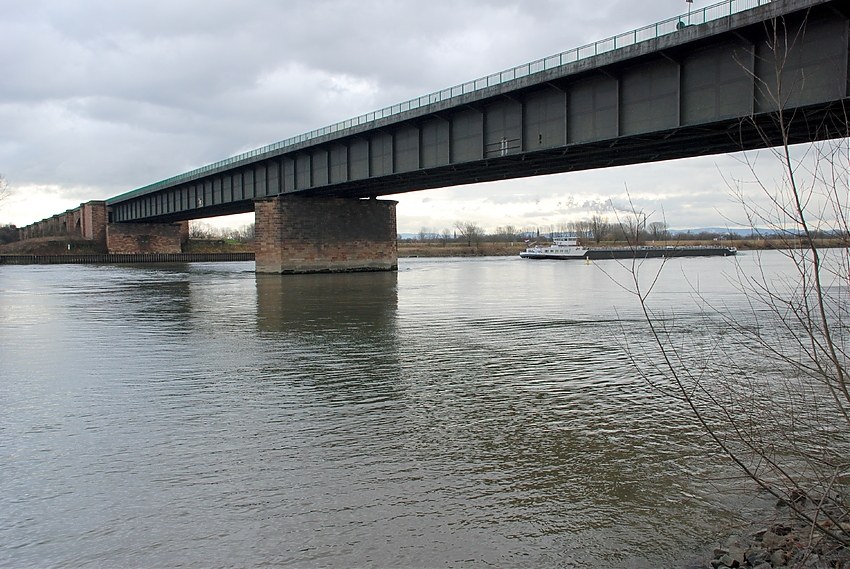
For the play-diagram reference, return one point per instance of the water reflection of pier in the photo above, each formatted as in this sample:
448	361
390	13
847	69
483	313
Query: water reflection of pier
337	332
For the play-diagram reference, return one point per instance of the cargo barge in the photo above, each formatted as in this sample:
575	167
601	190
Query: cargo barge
570	248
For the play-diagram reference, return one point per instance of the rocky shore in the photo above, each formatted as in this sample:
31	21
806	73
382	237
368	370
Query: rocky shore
788	543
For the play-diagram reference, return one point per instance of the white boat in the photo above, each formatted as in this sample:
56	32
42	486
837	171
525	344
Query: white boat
562	248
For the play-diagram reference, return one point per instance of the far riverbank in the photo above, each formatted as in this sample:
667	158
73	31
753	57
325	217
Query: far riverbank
491	249
406	248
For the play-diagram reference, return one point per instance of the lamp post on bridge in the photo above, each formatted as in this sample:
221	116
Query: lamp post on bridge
680	25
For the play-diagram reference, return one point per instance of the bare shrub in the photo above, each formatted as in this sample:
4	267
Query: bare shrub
768	380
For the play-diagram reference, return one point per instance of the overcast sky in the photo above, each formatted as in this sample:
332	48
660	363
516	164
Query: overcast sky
99	97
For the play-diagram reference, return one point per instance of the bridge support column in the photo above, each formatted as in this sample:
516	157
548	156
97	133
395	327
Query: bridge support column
297	234
92	222
146	237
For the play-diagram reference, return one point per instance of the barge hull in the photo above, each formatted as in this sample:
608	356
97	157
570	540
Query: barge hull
658	253
640	253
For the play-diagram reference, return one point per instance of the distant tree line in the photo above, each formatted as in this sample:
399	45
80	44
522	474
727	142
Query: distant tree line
204	231
597	228
8	234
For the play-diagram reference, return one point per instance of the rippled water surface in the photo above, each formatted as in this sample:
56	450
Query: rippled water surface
456	413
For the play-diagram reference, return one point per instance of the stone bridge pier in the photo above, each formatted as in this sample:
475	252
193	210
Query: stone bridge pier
147	237
90	222
296	234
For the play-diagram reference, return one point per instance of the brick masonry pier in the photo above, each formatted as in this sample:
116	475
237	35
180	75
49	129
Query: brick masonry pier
147	237
323	235
89	221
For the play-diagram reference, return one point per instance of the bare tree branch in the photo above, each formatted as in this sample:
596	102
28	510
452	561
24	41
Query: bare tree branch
783	418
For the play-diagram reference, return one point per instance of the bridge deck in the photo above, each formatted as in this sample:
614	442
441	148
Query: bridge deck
652	94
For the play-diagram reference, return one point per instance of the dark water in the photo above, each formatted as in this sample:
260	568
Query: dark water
477	413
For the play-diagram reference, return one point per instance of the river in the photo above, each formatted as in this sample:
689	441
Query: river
460	412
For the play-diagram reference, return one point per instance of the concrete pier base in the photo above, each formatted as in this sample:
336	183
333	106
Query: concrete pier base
323	235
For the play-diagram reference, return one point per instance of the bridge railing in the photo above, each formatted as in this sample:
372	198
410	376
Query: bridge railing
652	31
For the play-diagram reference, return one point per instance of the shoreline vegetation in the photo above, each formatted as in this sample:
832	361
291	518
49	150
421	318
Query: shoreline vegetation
407	248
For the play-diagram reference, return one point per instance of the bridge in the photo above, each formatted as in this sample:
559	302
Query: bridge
712	82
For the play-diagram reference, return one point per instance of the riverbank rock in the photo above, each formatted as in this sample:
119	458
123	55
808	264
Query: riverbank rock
779	546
